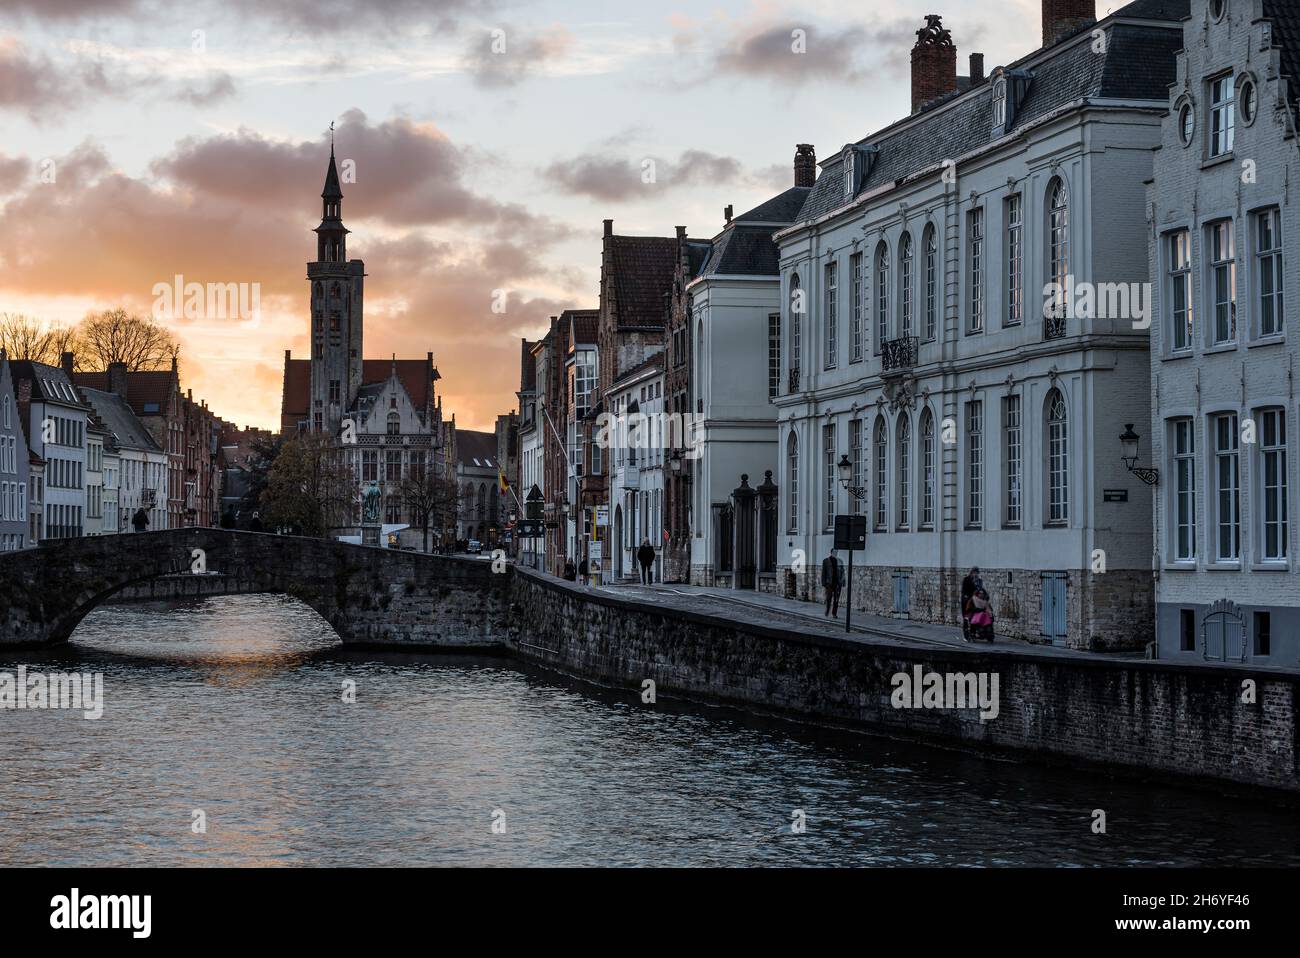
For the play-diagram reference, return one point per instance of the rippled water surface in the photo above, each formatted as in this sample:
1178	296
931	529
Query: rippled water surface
233	706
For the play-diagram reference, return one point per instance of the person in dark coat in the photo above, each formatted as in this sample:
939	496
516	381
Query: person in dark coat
570	571
646	556
832	582
582	570
140	521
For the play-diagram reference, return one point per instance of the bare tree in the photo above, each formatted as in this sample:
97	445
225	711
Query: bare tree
116	336
431	498
309	490
25	337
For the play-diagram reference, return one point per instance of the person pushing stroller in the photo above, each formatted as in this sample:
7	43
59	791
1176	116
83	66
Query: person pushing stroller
977	609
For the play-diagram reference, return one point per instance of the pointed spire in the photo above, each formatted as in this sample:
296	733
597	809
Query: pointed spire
332	190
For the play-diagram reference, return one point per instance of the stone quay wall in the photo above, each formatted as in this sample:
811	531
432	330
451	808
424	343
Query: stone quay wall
1141	715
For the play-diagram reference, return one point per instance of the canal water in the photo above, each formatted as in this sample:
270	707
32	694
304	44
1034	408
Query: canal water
234	707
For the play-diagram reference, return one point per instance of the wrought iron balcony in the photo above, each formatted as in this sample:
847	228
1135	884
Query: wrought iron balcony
1054	324
898	353
794	381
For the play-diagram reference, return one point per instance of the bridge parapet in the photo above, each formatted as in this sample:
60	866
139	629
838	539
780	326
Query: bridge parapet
369	596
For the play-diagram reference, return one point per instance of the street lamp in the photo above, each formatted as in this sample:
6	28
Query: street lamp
846	476
1129	442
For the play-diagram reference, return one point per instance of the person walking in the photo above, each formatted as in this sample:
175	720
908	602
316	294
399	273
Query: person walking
583	568
646	556
140	520
968	587
832	582
570	571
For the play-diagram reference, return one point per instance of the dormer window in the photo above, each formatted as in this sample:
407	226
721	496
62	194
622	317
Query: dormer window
850	168
1000	104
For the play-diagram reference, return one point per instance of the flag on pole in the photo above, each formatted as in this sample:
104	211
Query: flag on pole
503	484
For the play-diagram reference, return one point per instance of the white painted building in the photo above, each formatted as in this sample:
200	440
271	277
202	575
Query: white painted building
96	437
736	330
532	442
56	425
918	345
1224	342
637	446
15	468
134	467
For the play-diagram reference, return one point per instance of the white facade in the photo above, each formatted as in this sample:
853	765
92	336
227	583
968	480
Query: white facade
915	343
1224	344
94	482
56	430
111	524
15	474
532	443
637	445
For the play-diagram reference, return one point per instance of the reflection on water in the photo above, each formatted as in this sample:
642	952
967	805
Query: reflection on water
233	706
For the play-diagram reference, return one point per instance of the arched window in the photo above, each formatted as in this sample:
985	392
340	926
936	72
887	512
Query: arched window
905	284
796	331
394	424
882	295
904	458
1058	459
931	284
6	414
482	500
927	469
792	461
1058	246
882	476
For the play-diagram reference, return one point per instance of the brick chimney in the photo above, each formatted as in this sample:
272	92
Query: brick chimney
976	68
727	212
1064	17
609	227
66	362
805	165
117	379
934	62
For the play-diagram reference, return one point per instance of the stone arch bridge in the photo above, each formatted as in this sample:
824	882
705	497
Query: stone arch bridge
370	596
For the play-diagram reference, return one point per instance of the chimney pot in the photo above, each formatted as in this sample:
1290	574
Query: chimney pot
727	212
976	68
934	63
681	233
1062	18
66	363
609	227
805	165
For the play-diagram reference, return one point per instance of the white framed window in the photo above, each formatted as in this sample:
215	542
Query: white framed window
904	457
927	470
1182	314
850	174
1058	459
999	104
882	474
858	450
1012	441
832	317
1223	281
792	479
1015	260
906	270
931	284
1183	436
773	355
975	270
830	474
796	334
1227	488
1268	272
1273	485
1058	245
859	304
882	296
1222	114
975	464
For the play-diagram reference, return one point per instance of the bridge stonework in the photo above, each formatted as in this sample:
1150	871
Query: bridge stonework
369	596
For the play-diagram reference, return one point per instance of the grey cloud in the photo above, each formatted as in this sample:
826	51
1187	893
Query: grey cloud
505	56
615	178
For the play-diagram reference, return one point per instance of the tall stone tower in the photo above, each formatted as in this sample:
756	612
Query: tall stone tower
336	314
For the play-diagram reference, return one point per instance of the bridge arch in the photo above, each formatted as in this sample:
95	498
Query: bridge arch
368	595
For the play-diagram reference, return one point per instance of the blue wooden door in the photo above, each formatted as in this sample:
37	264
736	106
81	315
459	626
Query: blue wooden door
1054	607
902	593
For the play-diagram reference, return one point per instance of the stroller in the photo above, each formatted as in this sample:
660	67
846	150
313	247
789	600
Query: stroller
977	618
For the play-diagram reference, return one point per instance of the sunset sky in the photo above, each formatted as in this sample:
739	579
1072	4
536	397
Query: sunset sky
203	154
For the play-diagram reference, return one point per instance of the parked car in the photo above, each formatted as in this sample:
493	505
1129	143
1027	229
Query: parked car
475	547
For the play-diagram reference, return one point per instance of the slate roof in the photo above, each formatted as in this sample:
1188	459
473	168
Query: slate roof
49	383
476	449
1139	63
641	274
1285	16
120	420
745	248
655	362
